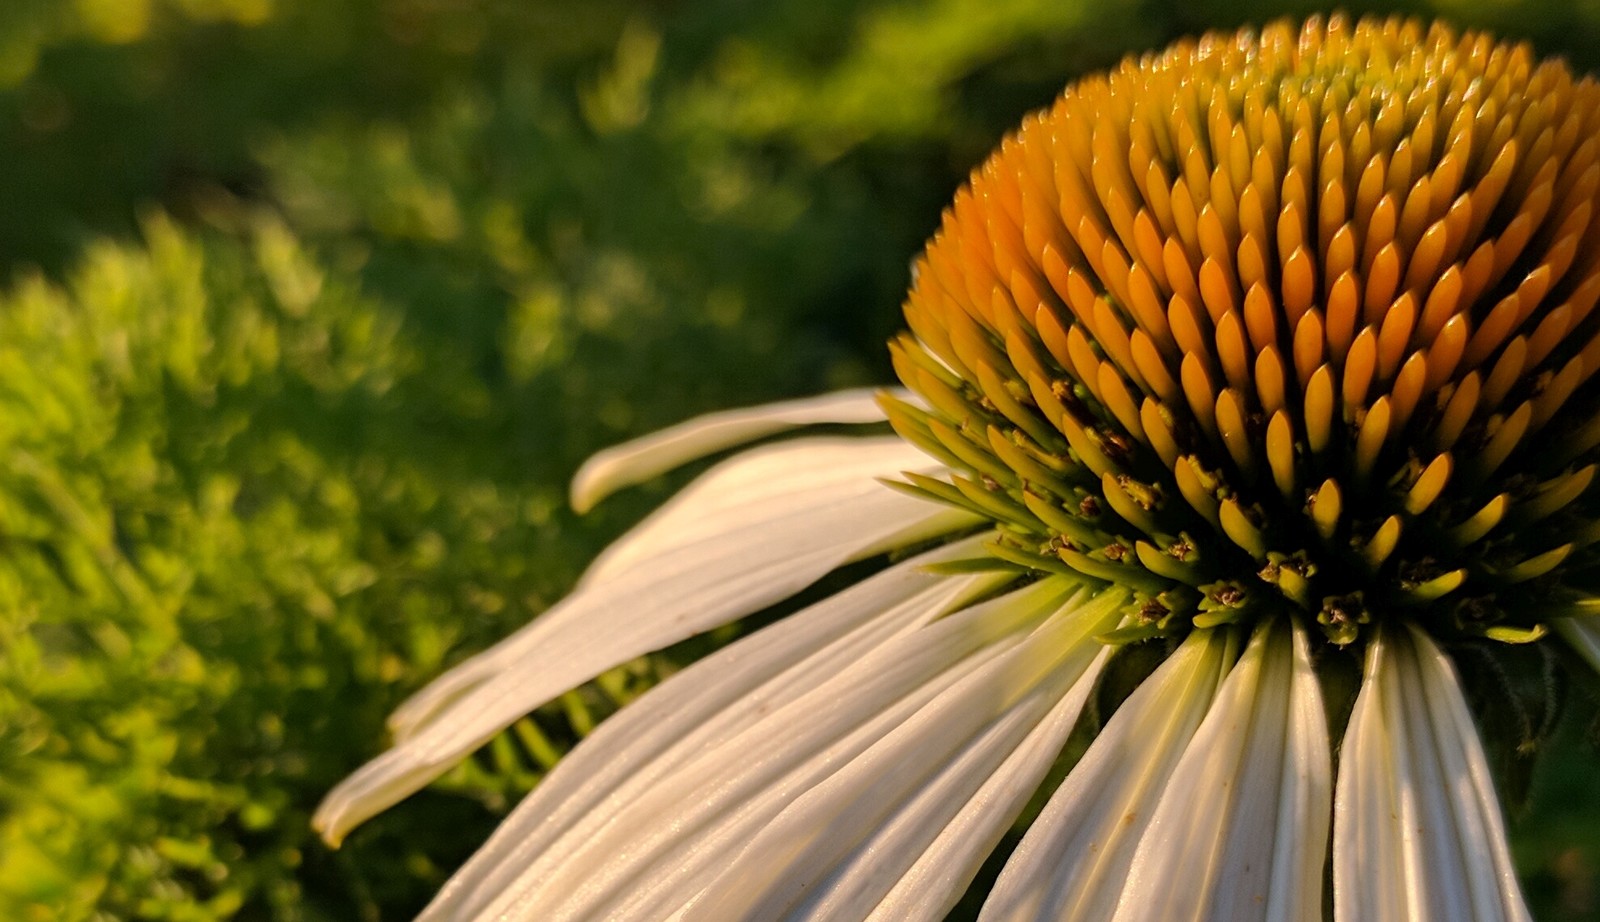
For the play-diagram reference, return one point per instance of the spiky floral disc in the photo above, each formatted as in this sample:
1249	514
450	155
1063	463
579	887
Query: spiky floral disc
1281	321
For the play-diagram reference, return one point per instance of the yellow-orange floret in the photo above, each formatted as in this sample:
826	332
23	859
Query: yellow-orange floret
1297	319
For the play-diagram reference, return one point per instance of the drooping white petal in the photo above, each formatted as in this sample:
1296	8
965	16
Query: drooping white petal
912	783
649	456
808	485
765	552
1583	633
690	831
1073	861
1418	833
1242	830
701	707
764	485
657	852
934	883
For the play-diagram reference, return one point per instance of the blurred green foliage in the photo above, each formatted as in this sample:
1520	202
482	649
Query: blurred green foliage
315	305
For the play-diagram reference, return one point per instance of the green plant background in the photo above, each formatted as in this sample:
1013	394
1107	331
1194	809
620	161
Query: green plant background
312	307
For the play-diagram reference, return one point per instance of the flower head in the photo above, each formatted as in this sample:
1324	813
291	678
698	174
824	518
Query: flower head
1281	323
1268	354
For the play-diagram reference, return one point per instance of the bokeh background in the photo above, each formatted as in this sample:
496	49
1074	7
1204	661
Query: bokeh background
309	309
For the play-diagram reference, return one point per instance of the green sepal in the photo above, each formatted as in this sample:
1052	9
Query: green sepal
1291	573
1375	550
996	504
1131	575
1532	568
1063	522
969	565
1480	523
934	490
1218	617
914	352
1022	558
1510	634
1551	496
1133	633
1435	588
1026	464
1188	570
1237	524
974	459
1224	602
911	424
950	402
1342	617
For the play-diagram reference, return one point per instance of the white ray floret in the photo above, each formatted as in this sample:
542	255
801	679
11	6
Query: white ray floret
1417	828
641	459
742	505
931	886
929	767
1073	861
773	482
821	507
662	848
1241	833
702	707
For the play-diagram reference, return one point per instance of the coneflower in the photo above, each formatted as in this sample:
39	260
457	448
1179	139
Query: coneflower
1269	353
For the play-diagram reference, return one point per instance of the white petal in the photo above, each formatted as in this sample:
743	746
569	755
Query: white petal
1417	828
933	885
1583	633
762	485
657	852
1368	880
767	490
767	552
701	707
639	460
935	761
1073	861
667	846
1242	831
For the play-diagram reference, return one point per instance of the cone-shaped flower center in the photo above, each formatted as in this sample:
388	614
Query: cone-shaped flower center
1281	321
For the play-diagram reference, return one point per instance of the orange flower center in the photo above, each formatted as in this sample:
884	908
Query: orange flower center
1289	320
